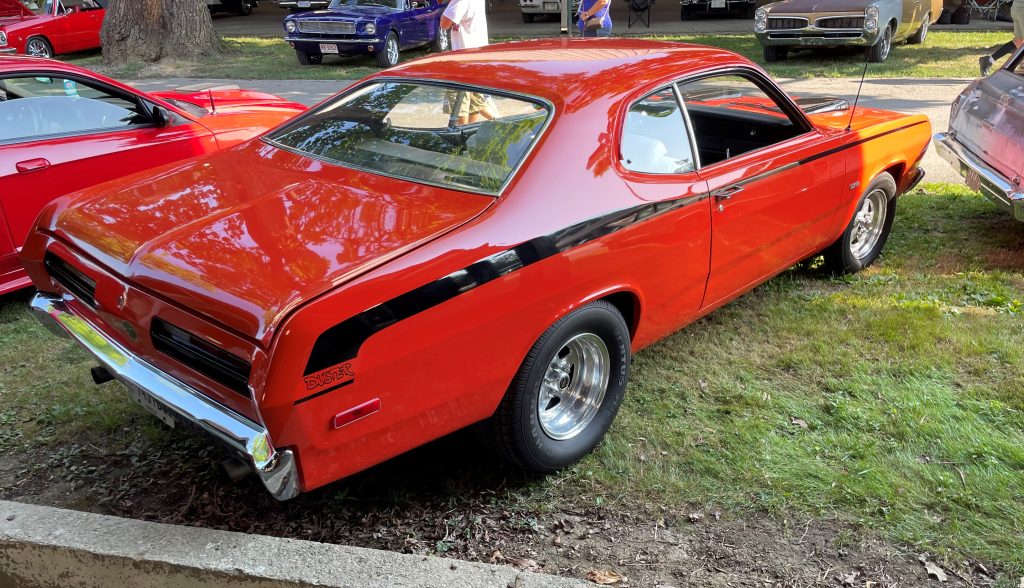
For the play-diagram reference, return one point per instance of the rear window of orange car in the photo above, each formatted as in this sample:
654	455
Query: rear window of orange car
456	137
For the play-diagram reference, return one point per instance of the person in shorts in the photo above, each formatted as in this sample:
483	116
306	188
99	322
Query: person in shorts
985	62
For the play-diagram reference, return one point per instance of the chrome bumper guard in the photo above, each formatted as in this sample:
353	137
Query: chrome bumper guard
991	183
276	468
337	40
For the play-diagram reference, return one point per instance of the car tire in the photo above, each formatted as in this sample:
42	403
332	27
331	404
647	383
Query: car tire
527	17
862	241
38	47
309	58
922	33
773	53
442	42
878	52
685	13
244	8
388	57
532	428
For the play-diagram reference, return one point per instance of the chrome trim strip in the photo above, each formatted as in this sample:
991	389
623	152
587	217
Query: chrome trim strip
332	40
276	468
8	50
993	185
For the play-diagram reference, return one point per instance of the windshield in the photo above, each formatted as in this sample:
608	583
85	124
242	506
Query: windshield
426	133
39	6
385	3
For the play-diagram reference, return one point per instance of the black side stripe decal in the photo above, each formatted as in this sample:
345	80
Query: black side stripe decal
341	342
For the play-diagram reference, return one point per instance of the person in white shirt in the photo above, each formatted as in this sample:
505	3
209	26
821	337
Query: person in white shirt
467	21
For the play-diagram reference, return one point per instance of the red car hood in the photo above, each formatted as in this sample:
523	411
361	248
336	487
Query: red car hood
13	10
225	98
245	235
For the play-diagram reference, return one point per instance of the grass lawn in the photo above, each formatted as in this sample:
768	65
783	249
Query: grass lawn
943	55
892	399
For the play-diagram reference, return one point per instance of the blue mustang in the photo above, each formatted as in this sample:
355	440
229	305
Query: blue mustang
366	27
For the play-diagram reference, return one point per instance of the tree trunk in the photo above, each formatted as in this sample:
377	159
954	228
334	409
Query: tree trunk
152	30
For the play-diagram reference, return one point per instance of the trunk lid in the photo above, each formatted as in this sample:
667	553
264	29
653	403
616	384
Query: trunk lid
245	235
988	119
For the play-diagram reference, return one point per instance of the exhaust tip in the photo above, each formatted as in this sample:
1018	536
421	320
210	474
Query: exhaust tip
100	375
236	469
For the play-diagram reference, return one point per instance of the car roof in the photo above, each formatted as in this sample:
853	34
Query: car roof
23	63
564	70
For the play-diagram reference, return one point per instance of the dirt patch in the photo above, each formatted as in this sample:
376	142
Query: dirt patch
452	499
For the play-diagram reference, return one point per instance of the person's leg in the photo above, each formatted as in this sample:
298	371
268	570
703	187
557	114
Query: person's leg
986	62
607	32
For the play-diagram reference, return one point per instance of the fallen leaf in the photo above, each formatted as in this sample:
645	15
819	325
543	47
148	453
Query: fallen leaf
798	422
935	571
557	540
496	557
703	385
525	564
695	517
605	577
849	579
718	515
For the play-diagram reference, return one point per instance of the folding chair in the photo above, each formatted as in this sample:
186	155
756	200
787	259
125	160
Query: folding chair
640	11
986	8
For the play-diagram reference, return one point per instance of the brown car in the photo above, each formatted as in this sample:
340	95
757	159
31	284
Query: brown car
872	24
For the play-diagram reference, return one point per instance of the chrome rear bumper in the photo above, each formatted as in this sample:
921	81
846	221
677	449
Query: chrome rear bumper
992	184
277	469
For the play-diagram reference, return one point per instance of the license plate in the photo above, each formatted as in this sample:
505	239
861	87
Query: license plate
328	48
551	6
973	180
814	41
150	403
717	3
304	4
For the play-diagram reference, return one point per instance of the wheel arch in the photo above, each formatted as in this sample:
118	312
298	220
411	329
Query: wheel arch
42	36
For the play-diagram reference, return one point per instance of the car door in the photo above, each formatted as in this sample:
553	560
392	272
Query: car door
656	154
411	23
911	16
773	197
60	134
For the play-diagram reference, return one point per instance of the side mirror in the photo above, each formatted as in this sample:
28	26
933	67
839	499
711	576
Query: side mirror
160	117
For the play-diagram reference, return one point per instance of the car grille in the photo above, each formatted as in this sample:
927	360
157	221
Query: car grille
840	22
201	355
78	284
327	27
786	23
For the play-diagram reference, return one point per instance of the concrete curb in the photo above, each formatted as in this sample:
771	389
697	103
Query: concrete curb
49	547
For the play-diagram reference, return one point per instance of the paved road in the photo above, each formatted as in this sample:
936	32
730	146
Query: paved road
506	20
930	97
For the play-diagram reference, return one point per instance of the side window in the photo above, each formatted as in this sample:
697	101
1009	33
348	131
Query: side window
35	107
654	137
732	115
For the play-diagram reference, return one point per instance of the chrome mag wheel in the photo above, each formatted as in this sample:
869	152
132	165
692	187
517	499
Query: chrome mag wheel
574	386
392	50
869	224
37	48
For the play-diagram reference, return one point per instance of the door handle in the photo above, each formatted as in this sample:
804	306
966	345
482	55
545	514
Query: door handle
32	165
728	192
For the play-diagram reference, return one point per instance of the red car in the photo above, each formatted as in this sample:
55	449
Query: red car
63	128
44	28
483	236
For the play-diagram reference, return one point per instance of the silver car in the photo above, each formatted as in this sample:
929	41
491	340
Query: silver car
872	24
985	140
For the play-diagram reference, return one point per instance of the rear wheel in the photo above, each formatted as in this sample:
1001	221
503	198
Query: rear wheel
918	37
309	58
388	56
774	53
862	241
566	393
527	17
880	50
38	47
